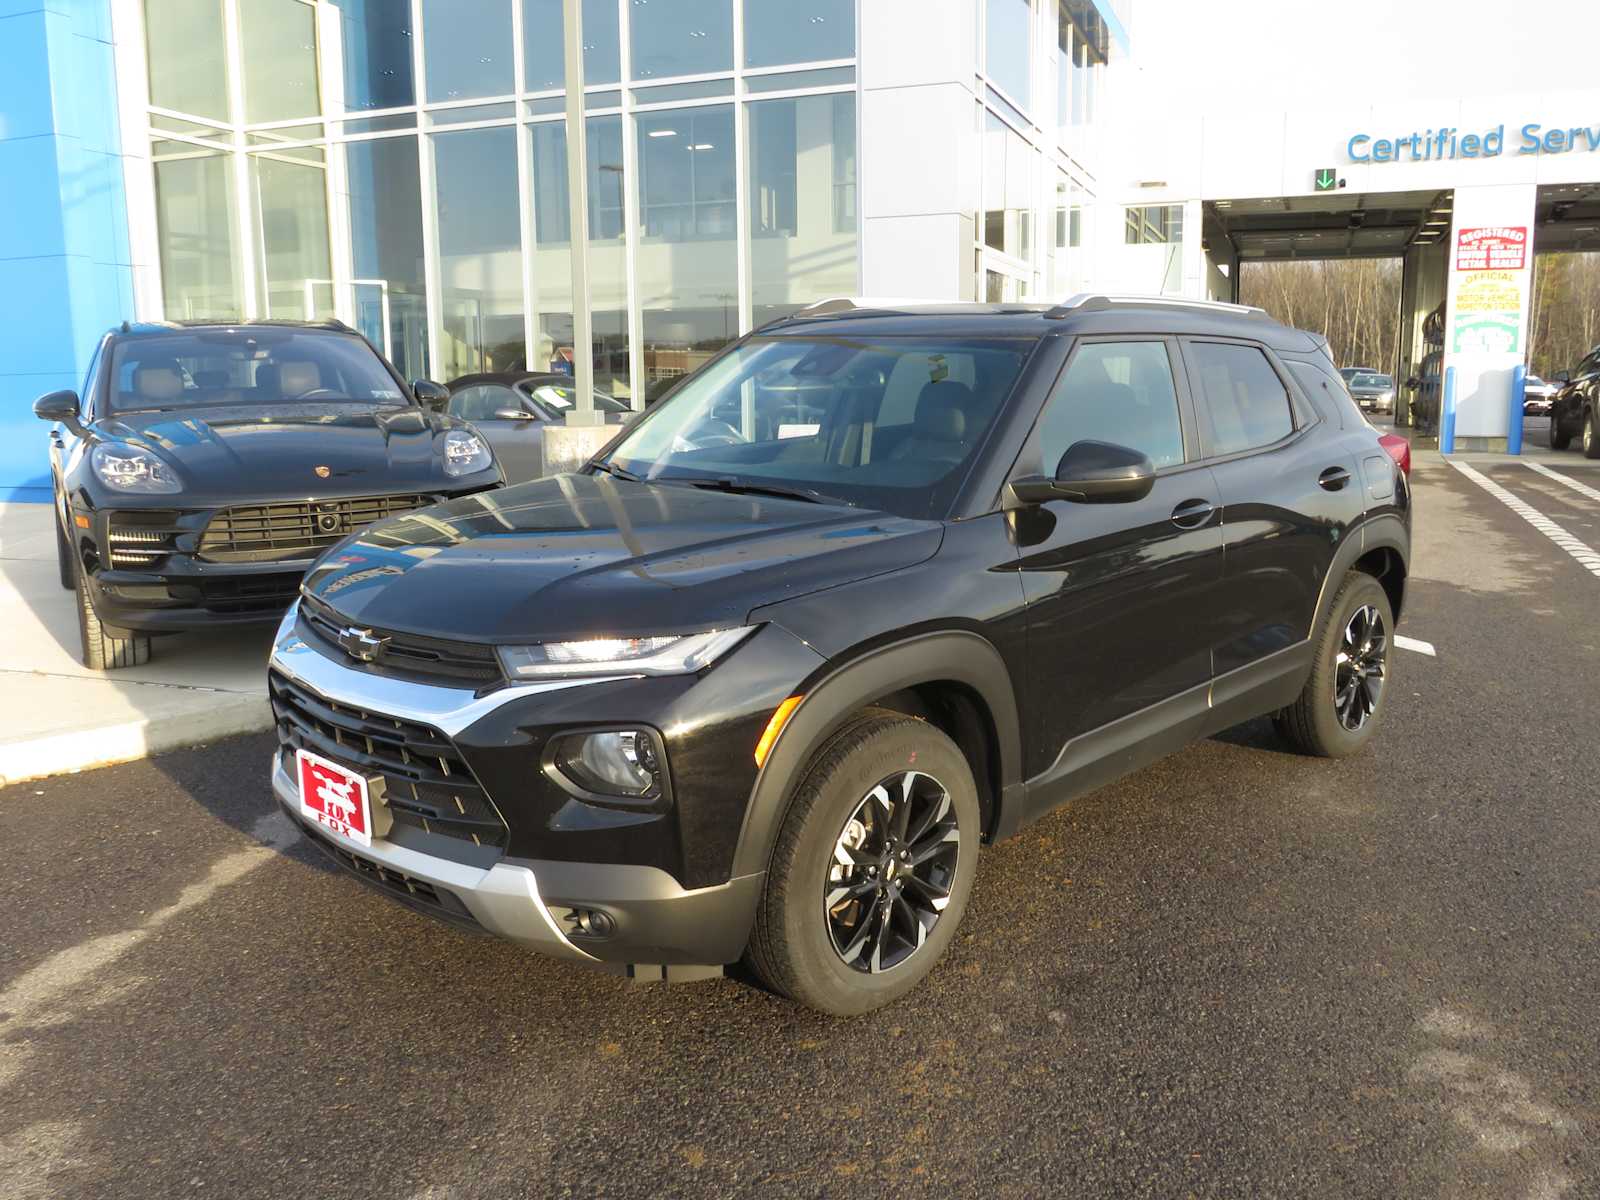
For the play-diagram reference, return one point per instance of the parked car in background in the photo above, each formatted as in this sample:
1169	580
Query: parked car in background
1575	411
758	687
1373	391
206	465
1537	396
511	410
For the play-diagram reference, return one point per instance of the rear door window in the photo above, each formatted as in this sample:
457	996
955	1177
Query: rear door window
1245	405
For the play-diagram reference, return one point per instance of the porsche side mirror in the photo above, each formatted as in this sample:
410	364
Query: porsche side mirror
434	397
1092	473
1558	377
59	406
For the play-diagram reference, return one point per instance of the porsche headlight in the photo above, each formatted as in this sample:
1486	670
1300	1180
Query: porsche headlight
465	453
669	655
131	470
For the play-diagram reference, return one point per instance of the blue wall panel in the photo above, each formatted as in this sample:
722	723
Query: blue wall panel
64	263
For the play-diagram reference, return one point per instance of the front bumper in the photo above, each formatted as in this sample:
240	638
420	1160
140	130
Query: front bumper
194	596
651	926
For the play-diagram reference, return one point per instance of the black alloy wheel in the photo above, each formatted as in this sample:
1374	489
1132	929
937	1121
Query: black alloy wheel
873	864
894	864
1360	668
1346	694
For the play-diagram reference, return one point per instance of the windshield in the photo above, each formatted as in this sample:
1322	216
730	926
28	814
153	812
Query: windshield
1372	381
558	398
890	424
210	368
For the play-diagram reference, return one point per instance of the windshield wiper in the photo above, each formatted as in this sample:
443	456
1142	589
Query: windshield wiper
745	487
619	472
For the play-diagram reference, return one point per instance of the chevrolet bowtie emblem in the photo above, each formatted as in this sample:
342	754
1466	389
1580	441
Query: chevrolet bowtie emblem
361	644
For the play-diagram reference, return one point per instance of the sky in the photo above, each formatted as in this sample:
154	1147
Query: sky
1304	53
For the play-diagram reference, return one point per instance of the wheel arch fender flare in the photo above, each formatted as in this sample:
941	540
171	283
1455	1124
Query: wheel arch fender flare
957	656
1385	532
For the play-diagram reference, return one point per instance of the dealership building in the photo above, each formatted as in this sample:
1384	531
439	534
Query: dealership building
403	166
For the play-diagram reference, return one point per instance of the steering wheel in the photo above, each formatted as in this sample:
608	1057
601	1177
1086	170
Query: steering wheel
712	432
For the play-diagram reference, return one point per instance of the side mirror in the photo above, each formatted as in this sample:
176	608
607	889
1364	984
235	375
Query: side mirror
1558	377
59	406
1092	473
512	414
434	397
1413	383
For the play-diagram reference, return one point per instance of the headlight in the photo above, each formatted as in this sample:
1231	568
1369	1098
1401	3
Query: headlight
465	453
621	656
623	762
128	469
1387	396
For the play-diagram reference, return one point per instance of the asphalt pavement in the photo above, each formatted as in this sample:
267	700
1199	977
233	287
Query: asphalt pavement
1239	972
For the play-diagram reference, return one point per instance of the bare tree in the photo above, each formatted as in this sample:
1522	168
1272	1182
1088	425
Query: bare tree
1355	303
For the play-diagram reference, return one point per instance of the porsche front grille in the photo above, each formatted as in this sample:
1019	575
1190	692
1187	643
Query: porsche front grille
298	529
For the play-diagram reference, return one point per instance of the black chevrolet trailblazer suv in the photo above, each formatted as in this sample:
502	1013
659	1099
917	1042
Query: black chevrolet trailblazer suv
870	589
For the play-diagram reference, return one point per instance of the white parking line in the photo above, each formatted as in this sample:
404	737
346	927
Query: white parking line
1401	642
1586	557
1582	488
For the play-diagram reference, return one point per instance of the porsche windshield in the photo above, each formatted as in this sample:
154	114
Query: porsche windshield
247	366
890	424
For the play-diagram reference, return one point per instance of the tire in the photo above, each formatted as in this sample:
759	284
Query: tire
1319	722
105	648
799	946
1591	433
1559	440
64	554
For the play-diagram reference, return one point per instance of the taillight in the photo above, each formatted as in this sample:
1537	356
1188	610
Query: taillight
1399	449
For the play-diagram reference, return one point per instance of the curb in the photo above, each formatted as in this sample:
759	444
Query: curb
83	749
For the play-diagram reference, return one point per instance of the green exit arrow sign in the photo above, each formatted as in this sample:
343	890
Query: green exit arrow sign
1326	179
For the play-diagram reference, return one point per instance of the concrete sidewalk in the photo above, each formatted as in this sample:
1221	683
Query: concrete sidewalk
56	715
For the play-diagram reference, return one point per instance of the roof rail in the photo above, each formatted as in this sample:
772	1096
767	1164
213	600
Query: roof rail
1096	302
842	304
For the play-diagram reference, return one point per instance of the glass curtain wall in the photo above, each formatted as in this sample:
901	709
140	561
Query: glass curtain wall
339	158
1038	63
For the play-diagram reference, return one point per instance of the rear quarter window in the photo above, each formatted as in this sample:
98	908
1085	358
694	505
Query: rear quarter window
1328	393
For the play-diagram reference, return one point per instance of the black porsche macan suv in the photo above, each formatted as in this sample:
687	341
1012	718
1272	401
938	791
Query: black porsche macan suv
206	465
872	588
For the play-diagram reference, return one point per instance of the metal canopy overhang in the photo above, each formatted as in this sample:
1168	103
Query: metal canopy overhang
1349	224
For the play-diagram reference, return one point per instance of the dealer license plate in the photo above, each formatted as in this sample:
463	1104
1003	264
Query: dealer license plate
334	797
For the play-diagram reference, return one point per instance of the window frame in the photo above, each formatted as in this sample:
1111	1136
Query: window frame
1303	414
1029	460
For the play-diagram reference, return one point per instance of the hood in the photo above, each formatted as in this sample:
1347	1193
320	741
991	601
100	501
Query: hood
1368	389
261	451
584	556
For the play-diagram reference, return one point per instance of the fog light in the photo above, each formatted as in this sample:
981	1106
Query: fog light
589	923
624	762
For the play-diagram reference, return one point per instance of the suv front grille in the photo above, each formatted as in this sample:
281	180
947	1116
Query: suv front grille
407	655
416	892
426	784
241	595
299	529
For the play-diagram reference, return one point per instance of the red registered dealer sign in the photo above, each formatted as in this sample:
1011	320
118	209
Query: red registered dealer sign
334	797
1492	248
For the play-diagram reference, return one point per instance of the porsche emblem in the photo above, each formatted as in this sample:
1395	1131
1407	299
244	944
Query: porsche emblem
323	472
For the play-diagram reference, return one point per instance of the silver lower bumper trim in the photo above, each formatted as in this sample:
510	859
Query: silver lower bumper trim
503	899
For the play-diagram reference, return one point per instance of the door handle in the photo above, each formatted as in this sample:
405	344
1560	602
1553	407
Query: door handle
1192	514
1334	478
